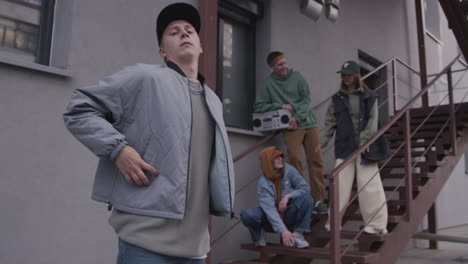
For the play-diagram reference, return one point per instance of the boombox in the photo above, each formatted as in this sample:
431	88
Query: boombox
273	120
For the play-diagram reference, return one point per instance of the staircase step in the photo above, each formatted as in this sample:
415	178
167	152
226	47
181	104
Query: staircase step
441	110
312	252
393	205
243	262
429	135
391	218
348	235
423	113
415	143
399	130
416	176
430	126
437	119
400	164
391	188
418	153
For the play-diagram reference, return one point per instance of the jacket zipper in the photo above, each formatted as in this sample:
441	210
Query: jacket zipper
233	215
190	146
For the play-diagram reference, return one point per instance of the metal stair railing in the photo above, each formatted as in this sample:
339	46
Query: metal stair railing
393	62
420	157
335	215
271	136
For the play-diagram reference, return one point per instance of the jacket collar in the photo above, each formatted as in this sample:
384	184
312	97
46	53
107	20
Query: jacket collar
176	68
364	94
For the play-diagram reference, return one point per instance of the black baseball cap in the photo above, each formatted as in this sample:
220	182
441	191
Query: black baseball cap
177	11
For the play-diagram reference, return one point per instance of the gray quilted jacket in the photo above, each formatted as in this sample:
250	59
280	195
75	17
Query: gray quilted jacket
148	107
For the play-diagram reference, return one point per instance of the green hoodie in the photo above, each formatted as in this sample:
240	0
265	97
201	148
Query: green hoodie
293	90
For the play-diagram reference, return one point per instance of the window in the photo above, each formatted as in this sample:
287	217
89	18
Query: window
431	16
466	161
236	63
26	29
36	34
377	82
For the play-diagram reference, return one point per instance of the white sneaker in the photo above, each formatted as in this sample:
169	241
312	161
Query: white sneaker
261	242
371	230
299	240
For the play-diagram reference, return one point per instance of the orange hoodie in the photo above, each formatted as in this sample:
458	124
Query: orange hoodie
267	157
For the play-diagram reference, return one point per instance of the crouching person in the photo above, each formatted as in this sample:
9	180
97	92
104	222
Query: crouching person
285	202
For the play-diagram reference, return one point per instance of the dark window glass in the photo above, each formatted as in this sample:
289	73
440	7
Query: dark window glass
236	67
466	161
432	17
25	29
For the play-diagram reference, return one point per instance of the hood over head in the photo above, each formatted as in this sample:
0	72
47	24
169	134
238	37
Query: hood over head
267	156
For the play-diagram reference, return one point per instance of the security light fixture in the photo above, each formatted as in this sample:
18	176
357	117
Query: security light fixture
331	9
312	8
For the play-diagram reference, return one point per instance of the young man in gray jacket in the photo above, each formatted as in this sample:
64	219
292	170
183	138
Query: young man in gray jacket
165	160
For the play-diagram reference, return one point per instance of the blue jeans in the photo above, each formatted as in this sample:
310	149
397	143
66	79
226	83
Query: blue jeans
131	254
297	217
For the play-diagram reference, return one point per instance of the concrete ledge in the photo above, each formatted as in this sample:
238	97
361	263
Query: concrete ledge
36	67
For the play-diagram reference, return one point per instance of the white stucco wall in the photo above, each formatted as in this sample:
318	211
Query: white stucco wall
451	202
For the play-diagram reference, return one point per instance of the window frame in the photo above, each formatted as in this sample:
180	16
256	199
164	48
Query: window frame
436	36
466	161
231	12
45	32
52	55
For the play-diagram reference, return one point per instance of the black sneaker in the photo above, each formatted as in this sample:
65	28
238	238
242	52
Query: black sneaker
320	208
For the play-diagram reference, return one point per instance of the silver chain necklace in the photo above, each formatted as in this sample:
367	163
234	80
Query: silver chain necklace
195	87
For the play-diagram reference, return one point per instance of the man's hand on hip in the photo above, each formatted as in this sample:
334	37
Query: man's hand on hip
132	165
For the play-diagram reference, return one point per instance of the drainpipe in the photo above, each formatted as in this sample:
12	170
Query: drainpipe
420	24
208	10
208	36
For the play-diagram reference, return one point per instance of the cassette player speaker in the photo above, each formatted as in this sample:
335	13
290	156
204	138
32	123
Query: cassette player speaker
273	120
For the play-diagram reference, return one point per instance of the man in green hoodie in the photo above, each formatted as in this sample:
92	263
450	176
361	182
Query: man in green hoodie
287	89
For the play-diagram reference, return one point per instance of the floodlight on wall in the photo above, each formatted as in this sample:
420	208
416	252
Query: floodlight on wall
312	8
331	9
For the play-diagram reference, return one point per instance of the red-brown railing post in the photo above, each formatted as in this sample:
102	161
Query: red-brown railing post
394	81
453	125
208	36
408	166
421	29
432	225
335	220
